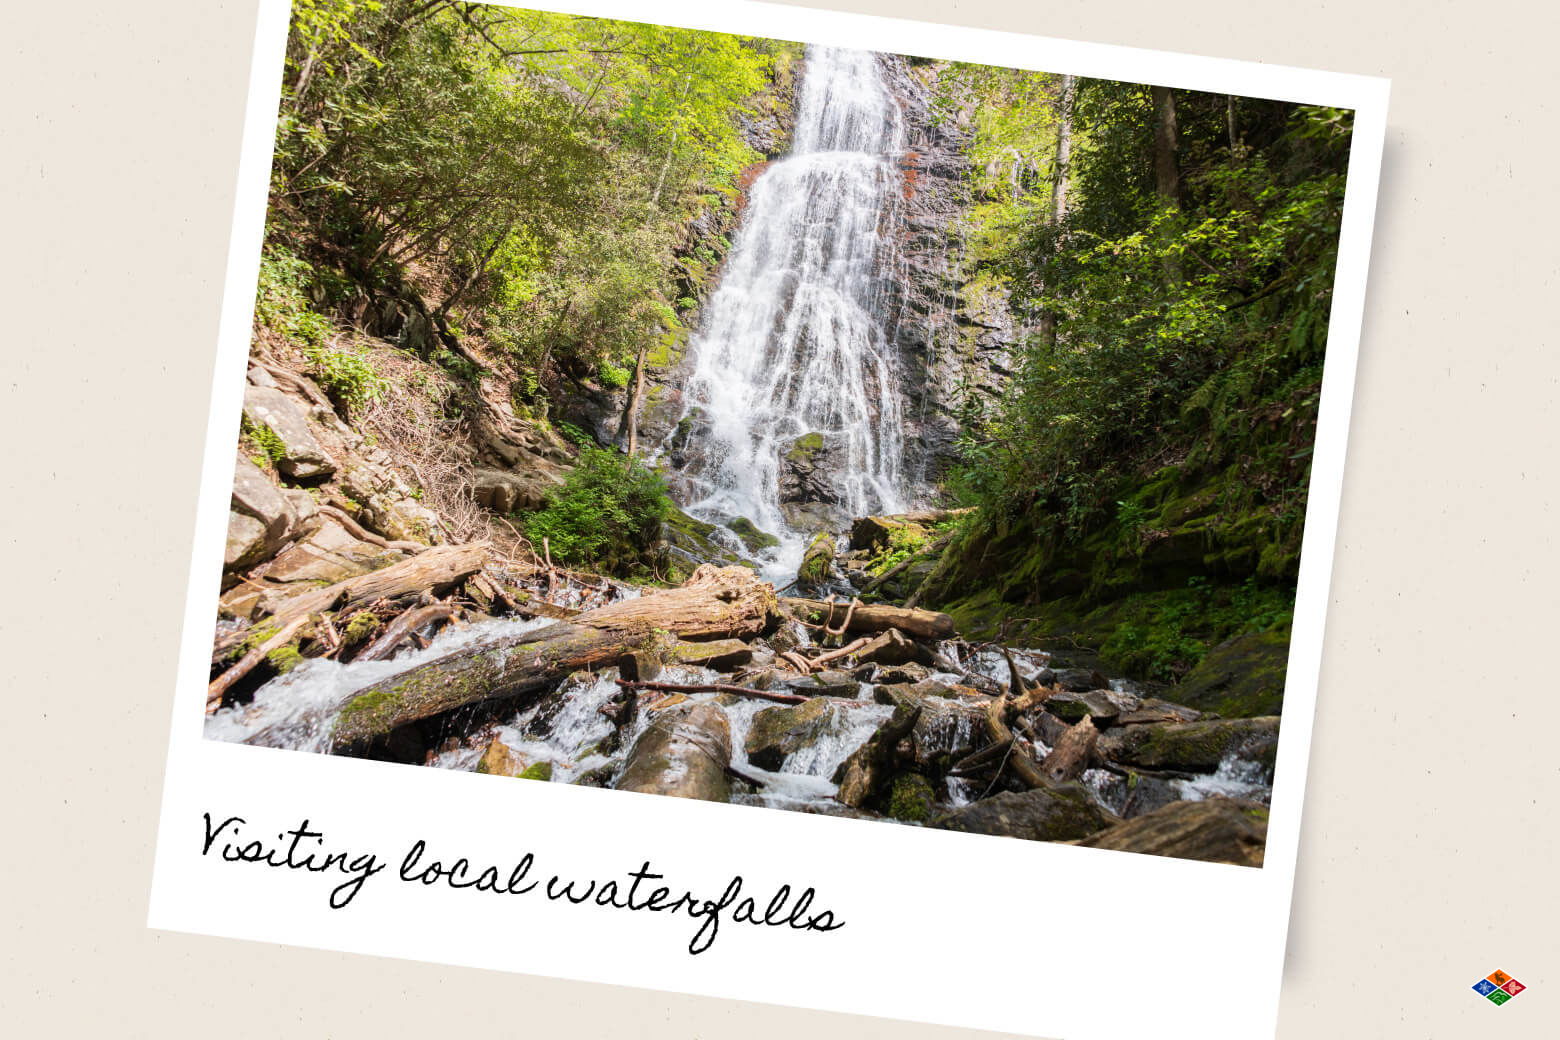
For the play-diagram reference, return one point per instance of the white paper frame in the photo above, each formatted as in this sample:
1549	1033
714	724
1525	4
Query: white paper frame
1145	946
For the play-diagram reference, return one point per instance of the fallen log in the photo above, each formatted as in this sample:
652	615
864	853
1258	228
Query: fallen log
924	624
739	691
402	627
1024	767
1071	755
246	664
716	602
433	570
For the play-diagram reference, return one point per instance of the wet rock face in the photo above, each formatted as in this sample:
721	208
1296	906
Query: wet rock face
1219	830
778	733
953	329
1064	812
684	753
808	495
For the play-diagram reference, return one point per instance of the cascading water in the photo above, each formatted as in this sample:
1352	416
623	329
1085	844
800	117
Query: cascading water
794	339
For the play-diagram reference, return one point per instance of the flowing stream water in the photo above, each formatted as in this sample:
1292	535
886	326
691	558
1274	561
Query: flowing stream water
794	340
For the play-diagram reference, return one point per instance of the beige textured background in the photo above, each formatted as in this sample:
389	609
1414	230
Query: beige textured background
1429	846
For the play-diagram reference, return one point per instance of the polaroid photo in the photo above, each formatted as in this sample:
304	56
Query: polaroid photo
770	503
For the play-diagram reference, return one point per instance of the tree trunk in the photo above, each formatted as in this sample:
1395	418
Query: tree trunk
1167	171
714	603
924	624
1059	177
634	401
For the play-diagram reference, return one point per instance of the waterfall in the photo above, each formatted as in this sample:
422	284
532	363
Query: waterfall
793	341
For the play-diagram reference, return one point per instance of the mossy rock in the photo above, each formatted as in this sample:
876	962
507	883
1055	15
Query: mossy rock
777	733
805	447
1192	747
911	798
817	561
1240	678
537	771
752	537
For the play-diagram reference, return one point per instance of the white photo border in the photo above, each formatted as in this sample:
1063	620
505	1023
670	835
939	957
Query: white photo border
922	940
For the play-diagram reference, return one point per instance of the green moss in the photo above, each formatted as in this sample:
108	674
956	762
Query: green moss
538	771
369	704
361	625
817	560
752	537
911	798
285	658
804	447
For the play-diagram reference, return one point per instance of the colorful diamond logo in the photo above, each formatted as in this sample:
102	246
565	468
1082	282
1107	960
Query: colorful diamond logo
1497	987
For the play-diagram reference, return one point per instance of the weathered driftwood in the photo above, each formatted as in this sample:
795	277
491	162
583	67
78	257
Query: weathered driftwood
715	602
1072	753
434	570
402	627
924	624
1024	767
737	691
362	534
246	664
988	757
864	773
685	752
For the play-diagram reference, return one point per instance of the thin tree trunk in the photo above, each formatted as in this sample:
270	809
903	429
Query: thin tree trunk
1167	171
1059	178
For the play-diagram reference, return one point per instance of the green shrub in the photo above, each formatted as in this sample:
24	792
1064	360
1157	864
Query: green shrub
608	513
347	375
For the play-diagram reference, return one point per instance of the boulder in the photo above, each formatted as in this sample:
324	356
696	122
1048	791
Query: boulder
828	683
1191	747
907	674
1152	709
874	532
504	491
777	733
301	458
502	760
945	729
1219	830
1078	680
1240	678
685	753
260	516
862	776
805	471
755	540
328	555
1104	706
1059	812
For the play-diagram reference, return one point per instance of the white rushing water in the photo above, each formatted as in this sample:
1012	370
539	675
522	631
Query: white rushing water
794	339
